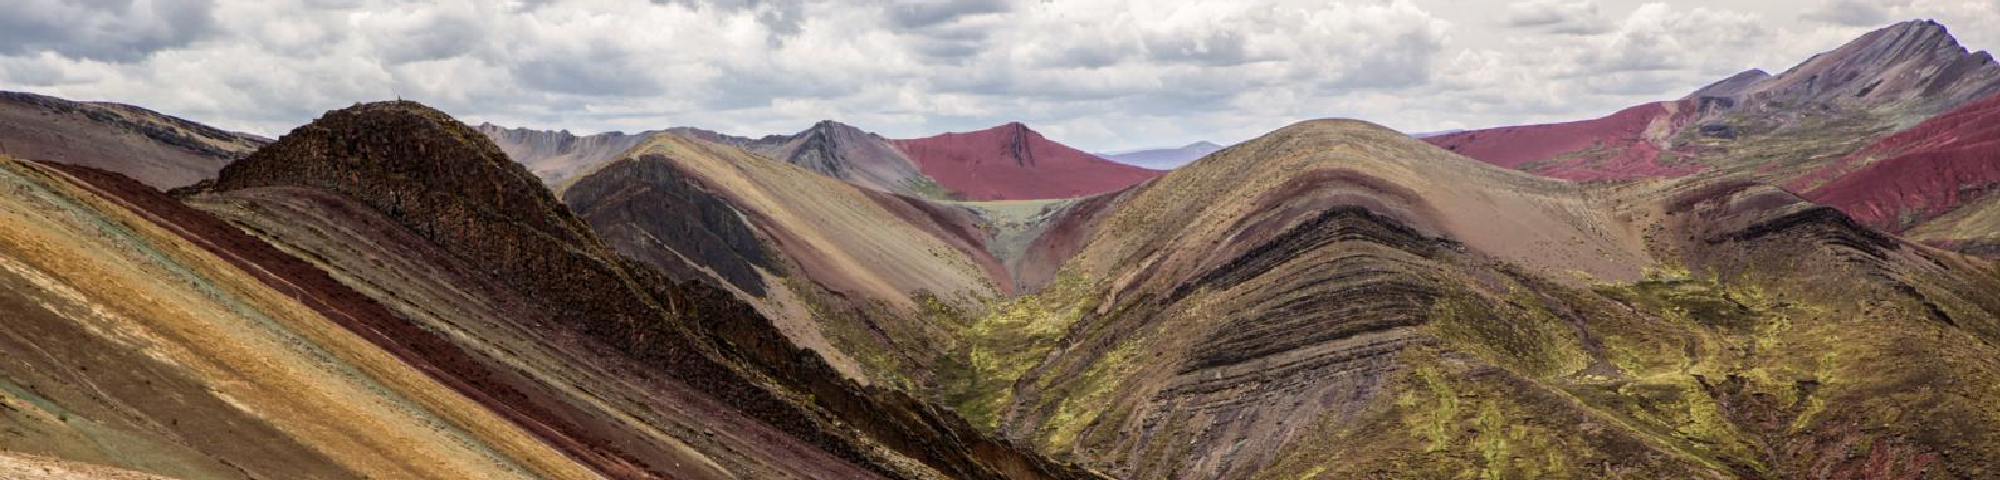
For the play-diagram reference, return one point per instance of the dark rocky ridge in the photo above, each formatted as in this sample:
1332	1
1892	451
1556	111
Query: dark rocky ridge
445	182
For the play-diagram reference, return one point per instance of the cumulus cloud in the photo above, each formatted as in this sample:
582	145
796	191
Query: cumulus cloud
1102	74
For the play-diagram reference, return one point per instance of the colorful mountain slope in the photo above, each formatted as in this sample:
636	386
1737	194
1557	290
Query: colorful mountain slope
826	259
1337	300
146	336
678	350
157	149
1012	162
1623	145
1917	174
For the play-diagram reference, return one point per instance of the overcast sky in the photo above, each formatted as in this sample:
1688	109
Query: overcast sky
1098	74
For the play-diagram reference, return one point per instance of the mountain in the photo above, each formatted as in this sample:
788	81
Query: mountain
1012	162
1338	300
1624	145
833	263
1330	300
831	148
162	151
1807	116
418	306
841	151
555	155
1164	158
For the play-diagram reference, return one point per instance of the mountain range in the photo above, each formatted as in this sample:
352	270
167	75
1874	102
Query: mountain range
1908	91
1778	276
1008	162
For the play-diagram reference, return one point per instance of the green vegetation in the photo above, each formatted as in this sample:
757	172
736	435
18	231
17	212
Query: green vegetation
1011	337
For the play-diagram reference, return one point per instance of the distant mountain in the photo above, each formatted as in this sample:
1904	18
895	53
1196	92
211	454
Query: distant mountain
159	150
1013	162
556	154
1163	158
1809	115
841	151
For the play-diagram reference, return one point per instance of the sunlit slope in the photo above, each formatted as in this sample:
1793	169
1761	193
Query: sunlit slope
133	346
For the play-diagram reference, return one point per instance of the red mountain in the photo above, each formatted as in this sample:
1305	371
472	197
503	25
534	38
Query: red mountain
1012	162
1937	166
1623	145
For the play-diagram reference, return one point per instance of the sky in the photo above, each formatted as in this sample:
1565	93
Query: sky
1097	74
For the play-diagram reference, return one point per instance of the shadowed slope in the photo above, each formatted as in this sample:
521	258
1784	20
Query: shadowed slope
162	151
810	251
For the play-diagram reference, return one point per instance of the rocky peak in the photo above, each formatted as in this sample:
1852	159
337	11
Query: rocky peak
1916	66
425	170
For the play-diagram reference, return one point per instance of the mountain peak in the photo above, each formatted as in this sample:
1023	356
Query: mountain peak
1915	66
1012	162
401	157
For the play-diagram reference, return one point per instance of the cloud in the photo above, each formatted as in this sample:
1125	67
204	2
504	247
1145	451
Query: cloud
925	13
118	31
1579	17
1854	13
